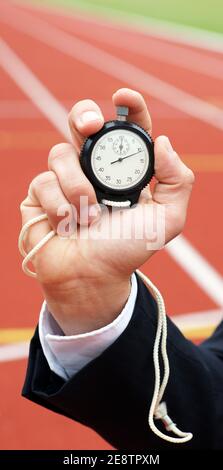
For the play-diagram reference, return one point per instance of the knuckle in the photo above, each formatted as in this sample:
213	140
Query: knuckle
43	179
22	209
22	206
189	176
58	151
75	190
186	178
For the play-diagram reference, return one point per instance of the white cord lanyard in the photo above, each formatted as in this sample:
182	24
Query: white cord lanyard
158	409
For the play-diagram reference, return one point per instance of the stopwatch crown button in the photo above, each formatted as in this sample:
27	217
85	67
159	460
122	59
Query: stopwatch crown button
122	112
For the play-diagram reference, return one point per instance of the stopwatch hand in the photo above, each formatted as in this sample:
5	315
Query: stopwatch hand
123	158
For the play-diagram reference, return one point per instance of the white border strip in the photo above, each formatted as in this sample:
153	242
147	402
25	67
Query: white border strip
111	65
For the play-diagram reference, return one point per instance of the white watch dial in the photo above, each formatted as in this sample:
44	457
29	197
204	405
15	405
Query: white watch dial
120	159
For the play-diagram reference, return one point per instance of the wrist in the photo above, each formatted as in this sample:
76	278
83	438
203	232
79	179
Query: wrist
82	306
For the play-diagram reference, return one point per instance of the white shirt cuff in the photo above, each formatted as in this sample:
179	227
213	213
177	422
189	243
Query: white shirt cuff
67	355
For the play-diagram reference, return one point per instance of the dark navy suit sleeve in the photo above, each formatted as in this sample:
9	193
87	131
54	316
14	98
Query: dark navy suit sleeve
112	394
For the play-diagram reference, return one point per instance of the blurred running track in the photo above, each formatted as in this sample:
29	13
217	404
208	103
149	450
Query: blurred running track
48	61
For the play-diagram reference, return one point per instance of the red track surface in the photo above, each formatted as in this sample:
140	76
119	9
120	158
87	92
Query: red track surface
25	143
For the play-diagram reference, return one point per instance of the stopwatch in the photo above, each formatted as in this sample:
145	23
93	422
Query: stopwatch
118	160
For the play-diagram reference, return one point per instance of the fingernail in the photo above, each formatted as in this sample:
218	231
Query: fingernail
89	116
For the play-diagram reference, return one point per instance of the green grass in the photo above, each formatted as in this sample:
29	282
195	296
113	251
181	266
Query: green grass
206	14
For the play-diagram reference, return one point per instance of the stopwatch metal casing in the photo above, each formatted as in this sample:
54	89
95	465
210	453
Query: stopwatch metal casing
124	148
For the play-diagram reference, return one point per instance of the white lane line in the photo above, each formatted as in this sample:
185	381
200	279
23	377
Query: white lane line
12	352
196	320
198	268
111	65
181	250
188	321
168	30
34	89
163	29
162	51
25	109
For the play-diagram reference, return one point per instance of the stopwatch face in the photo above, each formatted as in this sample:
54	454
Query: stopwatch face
120	159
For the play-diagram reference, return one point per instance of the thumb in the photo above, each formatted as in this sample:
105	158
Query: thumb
174	178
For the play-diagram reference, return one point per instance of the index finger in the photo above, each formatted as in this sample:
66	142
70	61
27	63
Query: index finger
86	117
138	111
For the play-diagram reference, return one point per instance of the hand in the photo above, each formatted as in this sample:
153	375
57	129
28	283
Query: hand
85	282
